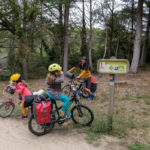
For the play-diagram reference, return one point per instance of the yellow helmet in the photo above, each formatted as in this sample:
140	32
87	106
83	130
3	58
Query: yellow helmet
15	77
54	67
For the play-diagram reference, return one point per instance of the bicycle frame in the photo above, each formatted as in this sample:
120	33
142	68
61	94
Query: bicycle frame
56	110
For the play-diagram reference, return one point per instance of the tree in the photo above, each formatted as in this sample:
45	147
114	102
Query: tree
66	21
137	42
90	36
17	18
83	32
146	39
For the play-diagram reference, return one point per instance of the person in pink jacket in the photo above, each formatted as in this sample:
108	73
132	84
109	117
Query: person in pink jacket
20	87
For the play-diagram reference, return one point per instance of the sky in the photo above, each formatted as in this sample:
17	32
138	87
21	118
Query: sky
76	13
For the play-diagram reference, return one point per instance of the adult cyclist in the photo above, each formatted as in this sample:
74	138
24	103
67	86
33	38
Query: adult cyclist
85	75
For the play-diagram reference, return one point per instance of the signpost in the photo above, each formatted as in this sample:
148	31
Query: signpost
112	67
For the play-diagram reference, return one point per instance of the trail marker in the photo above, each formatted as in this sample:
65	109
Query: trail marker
112	67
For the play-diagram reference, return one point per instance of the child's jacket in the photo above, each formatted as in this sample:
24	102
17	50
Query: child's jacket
22	90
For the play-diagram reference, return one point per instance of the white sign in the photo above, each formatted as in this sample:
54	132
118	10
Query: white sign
113	66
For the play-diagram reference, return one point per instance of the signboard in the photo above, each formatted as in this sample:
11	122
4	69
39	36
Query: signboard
113	66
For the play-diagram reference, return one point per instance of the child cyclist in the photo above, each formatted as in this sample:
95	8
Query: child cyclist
54	79
20	87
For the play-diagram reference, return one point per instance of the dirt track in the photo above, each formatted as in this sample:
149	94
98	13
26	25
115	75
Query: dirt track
14	135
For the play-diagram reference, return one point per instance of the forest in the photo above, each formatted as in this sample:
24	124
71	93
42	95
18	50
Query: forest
36	33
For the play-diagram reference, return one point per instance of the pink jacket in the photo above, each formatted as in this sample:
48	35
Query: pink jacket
22	90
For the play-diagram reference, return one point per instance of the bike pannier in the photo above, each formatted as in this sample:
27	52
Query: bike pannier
42	111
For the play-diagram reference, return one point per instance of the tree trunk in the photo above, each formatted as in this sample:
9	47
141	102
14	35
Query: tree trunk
83	33
132	25
112	30
137	42
106	39
145	45
132	31
66	22
24	69
23	52
61	31
90	37
117	48
41	50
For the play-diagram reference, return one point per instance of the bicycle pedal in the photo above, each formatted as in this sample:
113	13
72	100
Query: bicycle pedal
60	122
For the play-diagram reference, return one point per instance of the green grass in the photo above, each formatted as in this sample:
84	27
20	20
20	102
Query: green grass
100	124
145	124
121	126
139	146
94	132
91	137
126	97
145	98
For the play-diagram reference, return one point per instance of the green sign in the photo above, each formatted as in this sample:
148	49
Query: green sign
113	66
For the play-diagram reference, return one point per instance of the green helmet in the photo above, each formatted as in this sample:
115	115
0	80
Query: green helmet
54	67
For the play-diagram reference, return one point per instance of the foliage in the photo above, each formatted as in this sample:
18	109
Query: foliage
34	31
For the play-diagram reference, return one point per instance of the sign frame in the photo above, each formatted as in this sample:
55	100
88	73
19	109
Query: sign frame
112	60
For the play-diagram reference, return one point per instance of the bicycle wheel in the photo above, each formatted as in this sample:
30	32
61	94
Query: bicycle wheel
85	94
37	129
82	115
6	109
66	90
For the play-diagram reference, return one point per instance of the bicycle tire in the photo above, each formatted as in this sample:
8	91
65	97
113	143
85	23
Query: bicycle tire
68	90
46	128
80	108
6	105
84	94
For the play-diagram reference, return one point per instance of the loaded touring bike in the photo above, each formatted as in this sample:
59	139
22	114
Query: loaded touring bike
80	114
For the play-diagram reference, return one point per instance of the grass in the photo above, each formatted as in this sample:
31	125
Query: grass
126	97
98	127
145	98
121	126
139	146
145	124
100	124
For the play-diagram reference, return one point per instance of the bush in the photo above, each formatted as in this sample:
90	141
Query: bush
4	76
37	68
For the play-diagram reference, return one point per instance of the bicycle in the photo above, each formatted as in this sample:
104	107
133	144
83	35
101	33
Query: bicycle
80	114
7	108
68	88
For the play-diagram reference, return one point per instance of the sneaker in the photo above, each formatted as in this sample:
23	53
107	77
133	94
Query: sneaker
23	117
62	118
65	117
68	115
89	98
92	96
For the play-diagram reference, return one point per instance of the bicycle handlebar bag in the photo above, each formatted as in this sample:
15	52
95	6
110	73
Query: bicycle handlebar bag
42	111
70	75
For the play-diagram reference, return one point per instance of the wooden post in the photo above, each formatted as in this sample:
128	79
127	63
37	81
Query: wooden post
111	101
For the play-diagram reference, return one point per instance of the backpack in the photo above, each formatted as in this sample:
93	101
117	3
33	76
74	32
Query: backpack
93	80
42	111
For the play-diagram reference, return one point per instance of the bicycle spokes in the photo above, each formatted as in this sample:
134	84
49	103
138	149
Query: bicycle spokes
7	106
